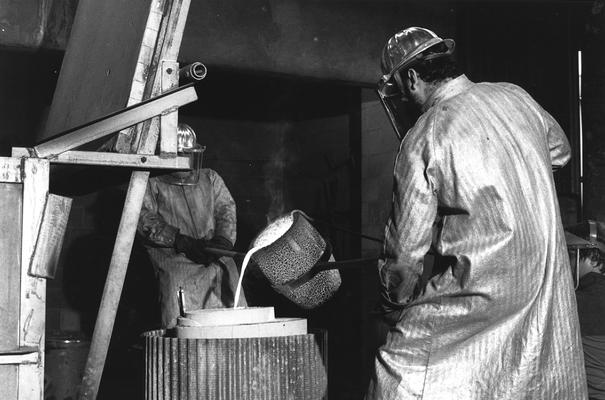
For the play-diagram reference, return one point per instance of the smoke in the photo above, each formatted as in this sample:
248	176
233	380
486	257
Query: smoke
275	172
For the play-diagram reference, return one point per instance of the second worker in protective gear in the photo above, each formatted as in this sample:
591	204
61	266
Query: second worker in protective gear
182	214
496	318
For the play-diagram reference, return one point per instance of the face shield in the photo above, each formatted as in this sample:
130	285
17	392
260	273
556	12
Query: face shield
396	105
402	51
187	146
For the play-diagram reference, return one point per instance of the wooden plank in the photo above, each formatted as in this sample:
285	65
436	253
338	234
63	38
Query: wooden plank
9	376
10	169
11	198
169	121
115	122
50	237
100	62
168	45
25	358
112	159
33	289
166	49
145	65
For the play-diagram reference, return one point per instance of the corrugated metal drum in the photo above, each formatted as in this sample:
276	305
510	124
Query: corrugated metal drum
257	368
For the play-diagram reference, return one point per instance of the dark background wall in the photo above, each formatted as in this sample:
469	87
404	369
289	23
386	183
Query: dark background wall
290	121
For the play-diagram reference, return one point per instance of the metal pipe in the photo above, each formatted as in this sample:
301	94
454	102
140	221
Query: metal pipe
222	252
344	264
581	133
193	72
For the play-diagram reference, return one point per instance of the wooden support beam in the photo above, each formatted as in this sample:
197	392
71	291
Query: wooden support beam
161	42
169	121
113	286
49	243
32	319
114	122
141	161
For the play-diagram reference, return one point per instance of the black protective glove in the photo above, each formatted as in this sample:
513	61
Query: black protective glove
219	242
192	248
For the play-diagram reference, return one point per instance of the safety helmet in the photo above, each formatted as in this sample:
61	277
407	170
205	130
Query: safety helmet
403	48
185	138
186	144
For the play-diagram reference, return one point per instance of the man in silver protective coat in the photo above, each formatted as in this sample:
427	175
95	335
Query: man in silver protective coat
473	183
184	213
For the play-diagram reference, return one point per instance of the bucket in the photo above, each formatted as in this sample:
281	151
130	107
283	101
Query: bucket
288	249
65	354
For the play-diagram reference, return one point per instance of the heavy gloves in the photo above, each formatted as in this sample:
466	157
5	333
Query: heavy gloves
195	249
219	242
191	248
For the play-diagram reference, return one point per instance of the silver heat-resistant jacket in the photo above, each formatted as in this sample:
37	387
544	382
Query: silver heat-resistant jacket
474	178
201	211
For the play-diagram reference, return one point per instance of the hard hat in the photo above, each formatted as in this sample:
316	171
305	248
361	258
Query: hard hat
185	138
186	143
403	48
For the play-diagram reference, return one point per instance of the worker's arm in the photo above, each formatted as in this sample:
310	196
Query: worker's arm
409	230
151	225
560	151
225	221
558	145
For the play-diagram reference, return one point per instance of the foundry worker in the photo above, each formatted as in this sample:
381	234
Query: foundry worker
182	214
499	320
590	295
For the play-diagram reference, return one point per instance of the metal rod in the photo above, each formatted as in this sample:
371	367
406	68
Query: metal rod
345	230
581	135
222	252
344	264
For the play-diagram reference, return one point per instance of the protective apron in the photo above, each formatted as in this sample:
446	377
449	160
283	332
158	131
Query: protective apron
201	211
498	318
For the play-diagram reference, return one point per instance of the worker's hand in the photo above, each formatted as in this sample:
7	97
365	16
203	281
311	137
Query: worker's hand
192	248
182	243
219	242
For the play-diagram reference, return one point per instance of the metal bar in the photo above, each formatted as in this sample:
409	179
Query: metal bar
116	121
113	285
581	134
221	252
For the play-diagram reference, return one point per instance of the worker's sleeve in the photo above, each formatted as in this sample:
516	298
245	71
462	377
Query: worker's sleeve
225	220
558	145
408	232
560	151
152	226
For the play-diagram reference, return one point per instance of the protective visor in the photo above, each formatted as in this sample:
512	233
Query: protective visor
190	178
394	103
